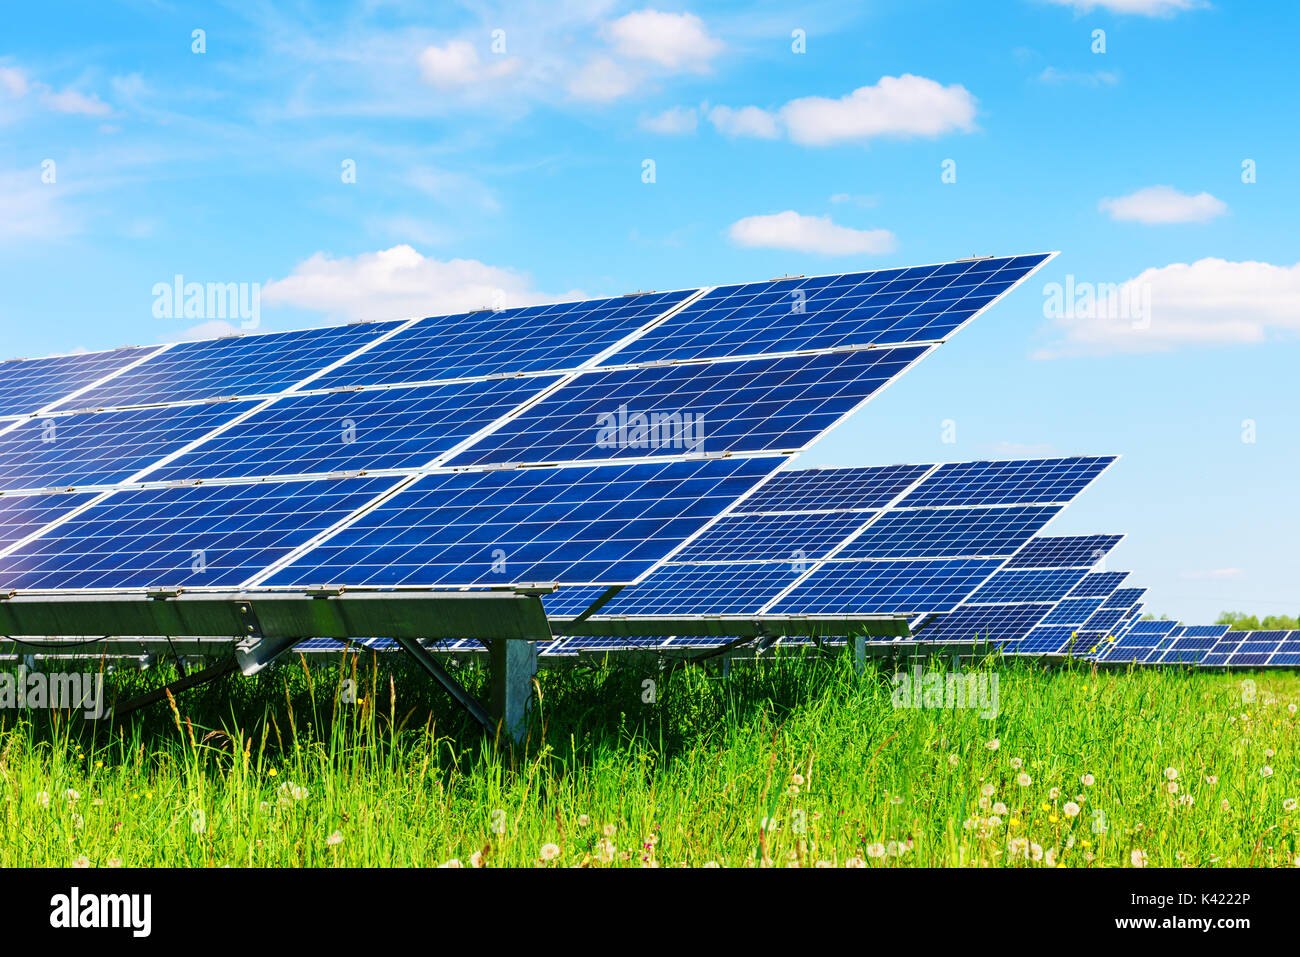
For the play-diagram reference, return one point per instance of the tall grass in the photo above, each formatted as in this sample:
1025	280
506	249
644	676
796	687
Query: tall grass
780	763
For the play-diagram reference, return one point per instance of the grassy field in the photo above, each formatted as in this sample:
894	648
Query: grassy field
792	763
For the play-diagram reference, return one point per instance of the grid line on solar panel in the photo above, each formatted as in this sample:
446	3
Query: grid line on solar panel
715	589
197	536
1026	585
547	338
1124	598
795	539
29	386
698	408
1098	585
399	428
245	366
882	307
886	587
1064	551
22	515
1043	639
578	525
1008	482
940	533
832	489
102	448
992	623
571	602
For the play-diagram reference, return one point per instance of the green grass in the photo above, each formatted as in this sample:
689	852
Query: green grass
793	762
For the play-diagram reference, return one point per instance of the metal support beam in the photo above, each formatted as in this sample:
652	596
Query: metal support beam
444	678
224	667
858	645
748	626
514	665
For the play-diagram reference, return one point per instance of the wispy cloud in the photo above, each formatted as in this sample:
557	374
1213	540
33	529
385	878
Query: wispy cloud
1159	205
1080	78
676	121
809	234
1146	8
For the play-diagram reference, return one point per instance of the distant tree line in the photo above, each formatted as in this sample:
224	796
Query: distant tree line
1240	621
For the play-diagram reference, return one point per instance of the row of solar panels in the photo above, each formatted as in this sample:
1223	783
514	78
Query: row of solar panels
639	420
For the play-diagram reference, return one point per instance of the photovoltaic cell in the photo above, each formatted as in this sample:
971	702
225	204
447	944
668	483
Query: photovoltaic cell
102	448
1098	585
21	515
757	405
402	428
940	533
832	489
1027	585
1073	611
195	536
1043	639
795	539
1124	598
886	587
992	623
1064	551
1007	483
553	337
719	589
256	365
882	307
570	602
29	385
581	525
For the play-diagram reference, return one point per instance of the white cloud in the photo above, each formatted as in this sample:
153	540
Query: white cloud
676	121
13	81
212	329
1097	78
897	106
810	234
33	210
1211	302
70	101
1147	8
600	81
676	41
901	106
399	283
454	189
1157	205
457	64
746	121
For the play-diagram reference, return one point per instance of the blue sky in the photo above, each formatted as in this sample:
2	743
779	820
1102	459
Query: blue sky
505	148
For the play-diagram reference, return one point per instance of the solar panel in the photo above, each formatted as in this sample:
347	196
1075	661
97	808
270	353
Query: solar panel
553	337
570	602
1288	651
196	536
1186	651
832	489
1064	551
579	525
1044	639
698	408
21	515
989	623
882	307
102	448
28	386
1007	482
1098	585
1073	611
715	589
1124	598
256	365
886	587
1257	648
793	538
1027	585
402	428
937	533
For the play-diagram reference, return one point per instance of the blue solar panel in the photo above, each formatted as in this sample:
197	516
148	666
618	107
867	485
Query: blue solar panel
196	536
1098	585
1021	585
759	405
1103	620
27	386
1156	628
102	448
796	539
21	515
832	489
1205	631
992	623
717	589
1007	483
1257	648
1124	598
1043	639
1288	651
256	365
1186	651
570	602
887	587
1064	551
593	644
1073	611
403	428
940	533
553	337
593	525
887	306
